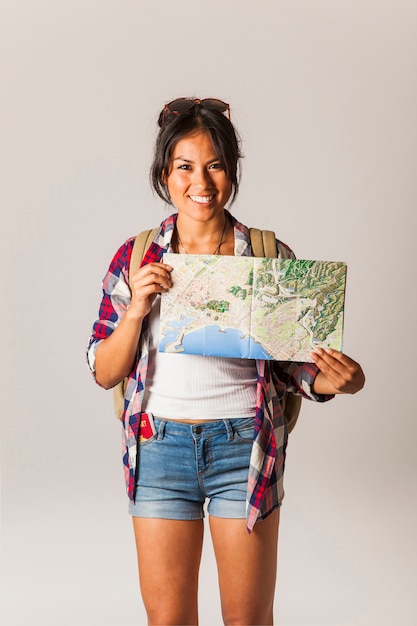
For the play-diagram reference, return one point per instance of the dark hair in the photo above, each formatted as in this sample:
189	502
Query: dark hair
222	132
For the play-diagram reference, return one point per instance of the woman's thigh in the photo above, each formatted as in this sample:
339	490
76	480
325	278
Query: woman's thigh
247	566
169	555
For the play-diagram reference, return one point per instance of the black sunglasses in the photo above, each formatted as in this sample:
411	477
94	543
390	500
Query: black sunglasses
183	105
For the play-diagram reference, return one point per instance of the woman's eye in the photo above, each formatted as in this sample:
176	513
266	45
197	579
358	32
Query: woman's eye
216	166
184	166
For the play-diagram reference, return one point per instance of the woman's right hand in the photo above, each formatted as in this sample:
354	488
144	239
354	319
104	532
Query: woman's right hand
146	283
115	356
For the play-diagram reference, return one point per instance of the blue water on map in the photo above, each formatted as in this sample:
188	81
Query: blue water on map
212	341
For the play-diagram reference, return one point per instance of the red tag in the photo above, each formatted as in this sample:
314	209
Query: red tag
146	428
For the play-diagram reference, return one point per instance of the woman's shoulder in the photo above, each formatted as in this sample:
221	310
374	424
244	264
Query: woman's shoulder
121	258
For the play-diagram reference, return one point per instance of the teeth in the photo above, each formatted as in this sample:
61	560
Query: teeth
202	199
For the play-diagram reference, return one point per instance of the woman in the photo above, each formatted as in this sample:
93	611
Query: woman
190	421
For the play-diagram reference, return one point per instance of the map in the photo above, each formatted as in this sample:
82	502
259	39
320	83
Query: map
251	307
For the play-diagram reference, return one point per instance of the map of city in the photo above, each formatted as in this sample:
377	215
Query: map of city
250	307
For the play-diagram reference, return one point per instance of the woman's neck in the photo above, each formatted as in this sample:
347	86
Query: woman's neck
214	237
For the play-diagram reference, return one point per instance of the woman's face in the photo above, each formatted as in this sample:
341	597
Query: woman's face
197	182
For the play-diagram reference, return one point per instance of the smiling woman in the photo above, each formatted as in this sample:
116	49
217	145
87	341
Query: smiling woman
200	429
200	189
173	128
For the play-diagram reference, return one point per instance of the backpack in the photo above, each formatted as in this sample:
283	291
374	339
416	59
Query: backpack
264	244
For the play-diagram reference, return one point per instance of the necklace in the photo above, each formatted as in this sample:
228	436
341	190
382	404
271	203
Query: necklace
217	250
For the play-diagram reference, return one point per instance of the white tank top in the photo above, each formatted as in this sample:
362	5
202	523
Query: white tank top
188	386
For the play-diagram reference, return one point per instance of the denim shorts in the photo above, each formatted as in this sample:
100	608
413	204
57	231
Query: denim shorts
183	465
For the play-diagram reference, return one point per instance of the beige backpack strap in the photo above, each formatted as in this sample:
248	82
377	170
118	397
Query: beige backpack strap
256	242
141	245
263	243
270	244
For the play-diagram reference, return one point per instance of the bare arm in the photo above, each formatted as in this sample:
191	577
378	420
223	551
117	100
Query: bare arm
338	373
115	355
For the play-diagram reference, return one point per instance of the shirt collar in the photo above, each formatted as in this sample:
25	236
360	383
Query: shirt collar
163	238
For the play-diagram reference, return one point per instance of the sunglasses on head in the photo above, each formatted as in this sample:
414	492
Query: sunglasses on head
183	105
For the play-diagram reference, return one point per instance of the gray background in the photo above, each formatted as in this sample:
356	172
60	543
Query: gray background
324	95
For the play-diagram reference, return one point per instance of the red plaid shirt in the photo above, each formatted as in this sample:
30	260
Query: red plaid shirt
265	483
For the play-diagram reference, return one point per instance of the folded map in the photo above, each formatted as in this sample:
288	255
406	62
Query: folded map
252	308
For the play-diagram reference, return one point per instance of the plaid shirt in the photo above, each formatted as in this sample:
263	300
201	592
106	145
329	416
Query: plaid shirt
265	483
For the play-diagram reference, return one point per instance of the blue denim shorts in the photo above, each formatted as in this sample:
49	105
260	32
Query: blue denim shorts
183	465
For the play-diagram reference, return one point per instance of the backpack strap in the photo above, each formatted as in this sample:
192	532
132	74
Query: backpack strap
141	245
263	243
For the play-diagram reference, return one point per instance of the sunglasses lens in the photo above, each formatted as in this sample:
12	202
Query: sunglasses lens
215	105
182	105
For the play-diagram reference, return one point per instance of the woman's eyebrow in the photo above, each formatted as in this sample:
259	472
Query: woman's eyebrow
180	158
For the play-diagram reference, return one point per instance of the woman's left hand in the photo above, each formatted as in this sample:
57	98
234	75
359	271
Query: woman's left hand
338	372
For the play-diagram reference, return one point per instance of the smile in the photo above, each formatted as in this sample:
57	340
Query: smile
202	199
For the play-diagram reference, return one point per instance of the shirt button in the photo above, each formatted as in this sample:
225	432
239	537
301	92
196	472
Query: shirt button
198	430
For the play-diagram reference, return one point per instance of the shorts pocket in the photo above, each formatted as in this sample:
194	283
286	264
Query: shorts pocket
244	430
146	442
147	430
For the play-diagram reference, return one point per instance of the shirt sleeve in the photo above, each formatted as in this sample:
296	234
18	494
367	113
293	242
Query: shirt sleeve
284	251
115	300
297	378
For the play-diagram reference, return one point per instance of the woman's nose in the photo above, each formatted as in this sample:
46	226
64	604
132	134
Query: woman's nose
201	178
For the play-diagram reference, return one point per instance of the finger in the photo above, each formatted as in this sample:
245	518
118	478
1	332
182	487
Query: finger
331	367
161	270
168	268
340	356
334	359
143	298
157	266
342	371
149	286
151	275
324	359
330	373
154	268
